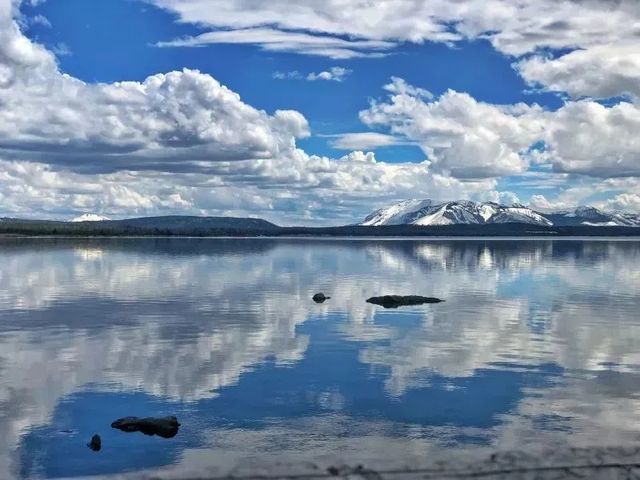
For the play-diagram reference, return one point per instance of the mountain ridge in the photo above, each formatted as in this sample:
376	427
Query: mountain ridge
426	212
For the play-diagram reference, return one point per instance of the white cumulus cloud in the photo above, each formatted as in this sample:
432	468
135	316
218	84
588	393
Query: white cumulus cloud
182	142
335	74
461	136
600	72
589	138
353	28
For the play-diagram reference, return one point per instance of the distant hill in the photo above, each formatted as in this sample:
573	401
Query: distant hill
164	225
429	213
188	222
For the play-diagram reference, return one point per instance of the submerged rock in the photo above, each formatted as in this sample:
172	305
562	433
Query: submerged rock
95	444
165	427
395	301
320	297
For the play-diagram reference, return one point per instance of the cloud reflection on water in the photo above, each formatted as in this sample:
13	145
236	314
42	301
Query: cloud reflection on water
188	321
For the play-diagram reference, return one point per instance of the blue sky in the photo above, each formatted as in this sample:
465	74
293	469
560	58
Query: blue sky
486	102
101	54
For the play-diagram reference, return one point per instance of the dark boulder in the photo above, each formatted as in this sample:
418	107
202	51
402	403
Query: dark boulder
165	427
320	298
395	301
95	444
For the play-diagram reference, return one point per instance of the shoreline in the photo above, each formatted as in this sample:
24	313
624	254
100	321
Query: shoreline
626	238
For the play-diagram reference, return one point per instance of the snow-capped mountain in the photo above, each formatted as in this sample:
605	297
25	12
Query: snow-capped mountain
89	217
427	212
594	217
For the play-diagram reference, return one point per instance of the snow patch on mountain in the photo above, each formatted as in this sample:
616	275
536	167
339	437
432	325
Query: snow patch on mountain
89	217
464	212
594	217
395	214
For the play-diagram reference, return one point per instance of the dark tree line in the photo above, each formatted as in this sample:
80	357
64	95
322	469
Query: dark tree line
122	228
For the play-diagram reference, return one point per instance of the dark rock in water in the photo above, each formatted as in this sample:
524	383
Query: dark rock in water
320	298
347	471
395	301
165	427
95	444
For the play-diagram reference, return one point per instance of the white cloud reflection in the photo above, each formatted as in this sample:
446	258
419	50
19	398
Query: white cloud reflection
150	317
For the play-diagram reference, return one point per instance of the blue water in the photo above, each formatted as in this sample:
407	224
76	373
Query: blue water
537	343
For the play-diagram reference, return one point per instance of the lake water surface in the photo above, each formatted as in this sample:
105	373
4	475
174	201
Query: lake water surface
537	343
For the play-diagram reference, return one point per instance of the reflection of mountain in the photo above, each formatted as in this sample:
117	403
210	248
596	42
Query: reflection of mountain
213	322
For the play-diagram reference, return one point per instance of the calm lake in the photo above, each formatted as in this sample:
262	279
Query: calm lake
537	343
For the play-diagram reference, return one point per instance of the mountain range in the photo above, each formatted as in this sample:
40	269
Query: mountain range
465	212
406	218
